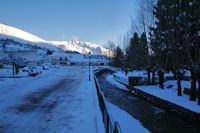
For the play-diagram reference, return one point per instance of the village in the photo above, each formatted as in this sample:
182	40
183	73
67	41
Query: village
30	62
117	66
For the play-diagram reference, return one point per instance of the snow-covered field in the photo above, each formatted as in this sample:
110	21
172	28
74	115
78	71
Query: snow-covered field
170	94
135	73
120	75
59	100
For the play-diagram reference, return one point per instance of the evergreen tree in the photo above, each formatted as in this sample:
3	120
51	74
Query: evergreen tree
118	57
193	37
132	52
159	41
175	41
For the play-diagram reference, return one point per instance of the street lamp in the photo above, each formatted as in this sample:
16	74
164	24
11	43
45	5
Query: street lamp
13	64
89	64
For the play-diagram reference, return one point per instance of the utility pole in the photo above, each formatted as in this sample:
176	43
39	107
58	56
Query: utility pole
13	64
109	57
89	66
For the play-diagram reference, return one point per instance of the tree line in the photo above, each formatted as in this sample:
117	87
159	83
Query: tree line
170	41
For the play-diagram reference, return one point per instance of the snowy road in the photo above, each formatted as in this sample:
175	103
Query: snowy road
153	118
60	101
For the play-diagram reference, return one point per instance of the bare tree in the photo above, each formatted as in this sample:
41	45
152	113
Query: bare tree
111	46
145	17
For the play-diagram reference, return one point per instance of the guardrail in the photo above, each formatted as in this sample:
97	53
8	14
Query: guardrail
111	126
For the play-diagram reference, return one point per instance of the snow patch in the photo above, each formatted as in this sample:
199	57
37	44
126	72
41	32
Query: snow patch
127	123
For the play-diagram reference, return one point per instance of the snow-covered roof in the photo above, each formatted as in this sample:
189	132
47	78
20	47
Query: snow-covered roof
59	53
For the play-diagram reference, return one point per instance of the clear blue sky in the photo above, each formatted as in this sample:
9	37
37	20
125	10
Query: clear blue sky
88	20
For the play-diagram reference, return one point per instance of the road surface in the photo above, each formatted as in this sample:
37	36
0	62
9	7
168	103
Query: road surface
62	101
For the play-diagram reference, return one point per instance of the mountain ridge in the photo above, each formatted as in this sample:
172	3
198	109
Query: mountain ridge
7	31
12	31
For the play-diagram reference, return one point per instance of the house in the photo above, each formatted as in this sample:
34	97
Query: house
59	57
30	56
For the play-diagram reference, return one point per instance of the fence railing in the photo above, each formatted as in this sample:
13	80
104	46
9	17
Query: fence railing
111	126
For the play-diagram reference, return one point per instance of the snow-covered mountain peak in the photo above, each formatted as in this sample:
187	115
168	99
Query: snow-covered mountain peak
15	32
82	47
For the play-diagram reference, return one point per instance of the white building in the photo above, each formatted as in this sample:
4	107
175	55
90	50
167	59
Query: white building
59	58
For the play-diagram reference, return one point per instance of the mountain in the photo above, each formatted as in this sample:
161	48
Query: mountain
15	32
11	33
82	47
20	36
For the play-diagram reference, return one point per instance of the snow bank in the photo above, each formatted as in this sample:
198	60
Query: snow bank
134	73
127	123
110	78
170	94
